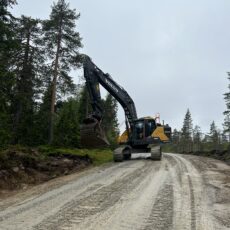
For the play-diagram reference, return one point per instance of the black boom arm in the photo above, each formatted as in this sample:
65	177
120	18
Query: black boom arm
94	76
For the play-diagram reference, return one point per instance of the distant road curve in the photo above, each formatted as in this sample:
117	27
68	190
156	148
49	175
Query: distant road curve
179	192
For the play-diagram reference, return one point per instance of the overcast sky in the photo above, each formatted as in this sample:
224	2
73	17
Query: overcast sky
169	55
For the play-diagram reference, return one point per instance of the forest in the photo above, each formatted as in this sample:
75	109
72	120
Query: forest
40	104
57	169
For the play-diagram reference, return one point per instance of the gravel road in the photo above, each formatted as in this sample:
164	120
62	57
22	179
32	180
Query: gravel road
180	192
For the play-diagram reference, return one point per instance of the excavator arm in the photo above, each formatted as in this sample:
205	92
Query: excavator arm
92	134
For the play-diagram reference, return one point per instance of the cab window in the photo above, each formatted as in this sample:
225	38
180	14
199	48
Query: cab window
150	126
139	130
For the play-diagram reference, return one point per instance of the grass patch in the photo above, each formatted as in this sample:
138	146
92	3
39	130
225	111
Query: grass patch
98	156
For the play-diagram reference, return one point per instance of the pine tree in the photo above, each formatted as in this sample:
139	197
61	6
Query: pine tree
62	44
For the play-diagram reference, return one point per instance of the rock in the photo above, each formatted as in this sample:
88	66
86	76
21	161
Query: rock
24	186
67	160
22	167
15	169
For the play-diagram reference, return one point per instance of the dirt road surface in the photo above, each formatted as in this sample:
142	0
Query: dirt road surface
180	192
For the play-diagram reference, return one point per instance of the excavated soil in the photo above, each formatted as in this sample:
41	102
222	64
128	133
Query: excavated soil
20	169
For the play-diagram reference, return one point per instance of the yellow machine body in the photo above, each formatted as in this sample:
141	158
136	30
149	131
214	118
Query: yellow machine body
158	133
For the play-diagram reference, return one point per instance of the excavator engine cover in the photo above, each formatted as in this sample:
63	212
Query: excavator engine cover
92	135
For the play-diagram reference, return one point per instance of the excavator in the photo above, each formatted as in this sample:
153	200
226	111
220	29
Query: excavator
142	135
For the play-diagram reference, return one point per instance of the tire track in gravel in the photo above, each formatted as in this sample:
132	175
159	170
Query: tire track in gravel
216	183
181	194
191	208
79	214
132	211
34	211
172	194
161	217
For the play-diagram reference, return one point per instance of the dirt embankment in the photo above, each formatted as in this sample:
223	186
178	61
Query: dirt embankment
216	154
20	168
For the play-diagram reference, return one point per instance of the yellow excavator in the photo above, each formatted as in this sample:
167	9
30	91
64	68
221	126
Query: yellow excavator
142	135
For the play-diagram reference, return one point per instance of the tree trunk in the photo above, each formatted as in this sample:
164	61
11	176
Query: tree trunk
54	87
53	98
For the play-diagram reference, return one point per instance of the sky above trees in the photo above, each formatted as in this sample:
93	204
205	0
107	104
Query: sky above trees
169	55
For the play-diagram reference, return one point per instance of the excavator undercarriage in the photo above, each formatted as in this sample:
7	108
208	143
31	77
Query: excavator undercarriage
125	152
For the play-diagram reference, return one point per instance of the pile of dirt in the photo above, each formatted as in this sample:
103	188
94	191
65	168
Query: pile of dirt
19	168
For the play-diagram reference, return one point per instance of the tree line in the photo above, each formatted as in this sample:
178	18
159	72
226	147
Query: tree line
192	139
39	101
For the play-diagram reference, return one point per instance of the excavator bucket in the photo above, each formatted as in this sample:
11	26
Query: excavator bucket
92	135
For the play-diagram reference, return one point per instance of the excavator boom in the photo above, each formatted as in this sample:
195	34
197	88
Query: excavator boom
91	132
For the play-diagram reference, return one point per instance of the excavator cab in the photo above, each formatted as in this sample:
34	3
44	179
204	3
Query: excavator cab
146	131
92	134
142	131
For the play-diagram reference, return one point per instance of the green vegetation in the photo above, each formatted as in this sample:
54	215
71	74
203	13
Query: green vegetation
98	156
39	102
195	141
192	140
25	165
14	156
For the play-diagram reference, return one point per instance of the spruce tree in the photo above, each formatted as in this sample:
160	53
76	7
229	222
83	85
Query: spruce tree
187	126
29	62
84	104
8	48
197	137
62	45
67	127
176	139
42	118
226	123
214	136
8	43
186	133
110	121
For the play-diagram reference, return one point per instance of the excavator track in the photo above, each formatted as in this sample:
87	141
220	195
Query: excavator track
92	135
122	153
156	153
